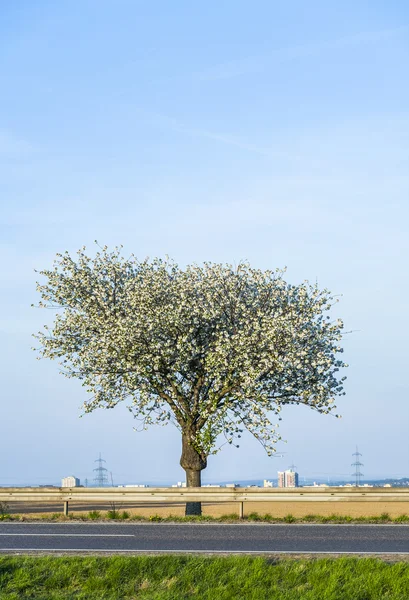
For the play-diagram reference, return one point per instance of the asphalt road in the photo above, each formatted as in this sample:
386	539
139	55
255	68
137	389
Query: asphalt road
192	537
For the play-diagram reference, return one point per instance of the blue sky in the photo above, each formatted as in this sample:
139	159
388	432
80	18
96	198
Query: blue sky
271	131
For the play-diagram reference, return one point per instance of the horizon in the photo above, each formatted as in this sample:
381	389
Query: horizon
240	482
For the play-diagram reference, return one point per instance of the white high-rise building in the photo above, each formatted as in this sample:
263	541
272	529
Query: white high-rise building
287	479
70	481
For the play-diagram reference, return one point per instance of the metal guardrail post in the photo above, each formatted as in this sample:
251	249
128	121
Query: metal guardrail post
65	508
241	510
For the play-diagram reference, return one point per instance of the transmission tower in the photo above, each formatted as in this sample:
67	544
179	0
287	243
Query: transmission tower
101	477
292	467
357	464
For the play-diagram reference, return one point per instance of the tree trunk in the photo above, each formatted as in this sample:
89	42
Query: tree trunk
193	479
193	462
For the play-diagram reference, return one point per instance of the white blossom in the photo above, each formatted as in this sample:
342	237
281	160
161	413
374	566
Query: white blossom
213	348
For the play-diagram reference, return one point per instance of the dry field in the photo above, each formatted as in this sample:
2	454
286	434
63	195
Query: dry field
275	509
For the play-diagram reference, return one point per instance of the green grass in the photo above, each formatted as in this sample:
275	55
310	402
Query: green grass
118	515
204	578
94	515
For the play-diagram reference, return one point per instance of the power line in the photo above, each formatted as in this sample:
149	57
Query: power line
357	464
101	477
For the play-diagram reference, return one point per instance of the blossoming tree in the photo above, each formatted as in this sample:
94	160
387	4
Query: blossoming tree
215	349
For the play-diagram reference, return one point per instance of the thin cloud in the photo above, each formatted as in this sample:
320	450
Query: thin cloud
221	137
254	64
165	121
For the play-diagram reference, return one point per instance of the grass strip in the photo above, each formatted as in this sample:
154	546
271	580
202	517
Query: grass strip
221	578
118	515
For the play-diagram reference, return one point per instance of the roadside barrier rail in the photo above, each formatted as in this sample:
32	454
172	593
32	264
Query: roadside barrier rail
166	495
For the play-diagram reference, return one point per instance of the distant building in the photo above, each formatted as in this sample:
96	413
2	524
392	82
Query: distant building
291	479
315	484
138	485
70	481
352	485
267	483
134	485
287	479
179	484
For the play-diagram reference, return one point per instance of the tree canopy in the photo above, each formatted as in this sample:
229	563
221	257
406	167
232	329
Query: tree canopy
214	348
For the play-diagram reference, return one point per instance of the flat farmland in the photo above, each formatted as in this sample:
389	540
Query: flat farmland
275	509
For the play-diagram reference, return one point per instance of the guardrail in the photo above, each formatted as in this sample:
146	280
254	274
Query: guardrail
178	495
